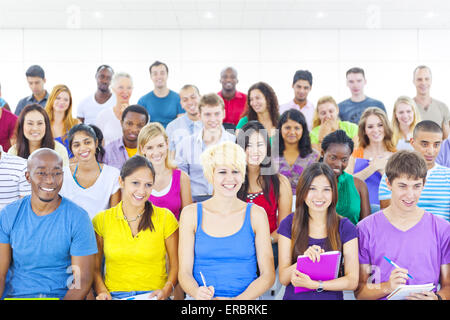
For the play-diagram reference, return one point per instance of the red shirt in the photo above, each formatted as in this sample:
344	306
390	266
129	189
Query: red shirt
271	210
234	107
8	122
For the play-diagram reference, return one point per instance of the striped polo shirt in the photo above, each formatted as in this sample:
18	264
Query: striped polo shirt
13	183
435	196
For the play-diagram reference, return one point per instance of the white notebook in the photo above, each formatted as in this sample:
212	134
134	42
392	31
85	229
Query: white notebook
404	291
143	296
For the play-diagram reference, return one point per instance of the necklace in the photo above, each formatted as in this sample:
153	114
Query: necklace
129	220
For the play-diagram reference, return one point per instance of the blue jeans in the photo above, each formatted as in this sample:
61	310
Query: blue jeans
117	295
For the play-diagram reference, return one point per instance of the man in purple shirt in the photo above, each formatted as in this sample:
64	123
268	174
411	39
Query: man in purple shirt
444	154
302	85
416	240
117	152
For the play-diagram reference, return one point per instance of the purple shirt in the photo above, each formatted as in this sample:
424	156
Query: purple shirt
421	250
347	232
444	154
115	154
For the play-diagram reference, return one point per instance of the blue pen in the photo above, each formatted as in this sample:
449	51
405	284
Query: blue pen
396	265
132	298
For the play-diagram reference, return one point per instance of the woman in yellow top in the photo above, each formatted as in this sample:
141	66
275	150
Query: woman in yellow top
134	237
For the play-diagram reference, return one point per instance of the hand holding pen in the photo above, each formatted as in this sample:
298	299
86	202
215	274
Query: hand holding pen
204	292
398	276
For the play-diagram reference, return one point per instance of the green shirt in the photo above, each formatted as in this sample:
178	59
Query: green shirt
350	129
349	201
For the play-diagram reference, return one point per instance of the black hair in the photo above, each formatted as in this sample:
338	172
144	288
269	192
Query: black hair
35	71
304	144
130	166
265	181
302	75
427	126
136	108
104	66
158	63
337	137
93	133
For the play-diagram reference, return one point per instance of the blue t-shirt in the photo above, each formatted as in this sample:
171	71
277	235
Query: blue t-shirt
352	111
162	110
42	246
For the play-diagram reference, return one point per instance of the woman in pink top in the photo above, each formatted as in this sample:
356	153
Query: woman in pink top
172	188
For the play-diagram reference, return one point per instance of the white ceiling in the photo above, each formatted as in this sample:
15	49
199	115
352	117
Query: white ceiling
225	14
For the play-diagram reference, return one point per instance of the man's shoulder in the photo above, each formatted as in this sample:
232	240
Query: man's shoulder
175	124
369	221
113	145
13	208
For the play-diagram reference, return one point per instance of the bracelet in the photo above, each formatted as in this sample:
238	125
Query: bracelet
438	295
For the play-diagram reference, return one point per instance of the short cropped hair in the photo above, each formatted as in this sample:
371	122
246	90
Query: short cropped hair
138	109
427	126
210	99
35	71
227	154
406	163
104	66
302	75
355	70
118	76
189	86
158	63
420	68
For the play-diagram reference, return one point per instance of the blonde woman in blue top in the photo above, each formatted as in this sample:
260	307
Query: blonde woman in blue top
223	239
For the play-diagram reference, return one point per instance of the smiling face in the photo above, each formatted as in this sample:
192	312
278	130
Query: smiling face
83	146
320	194
422	81
337	157
405	192
227	181
404	114
131	126
137	187
257	101
256	150
189	100
228	79
292	132
45	174
374	129
123	88
34	126
212	117
62	102
156	150
159	76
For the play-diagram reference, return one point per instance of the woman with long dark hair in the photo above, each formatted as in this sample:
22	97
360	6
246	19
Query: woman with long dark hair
261	105
134	237
313	229
263	185
33	131
92	185
294	146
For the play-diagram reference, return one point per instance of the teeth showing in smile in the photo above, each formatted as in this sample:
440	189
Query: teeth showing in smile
229	186
47	190
138	197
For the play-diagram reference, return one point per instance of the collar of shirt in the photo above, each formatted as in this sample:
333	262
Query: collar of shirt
199	137
33	99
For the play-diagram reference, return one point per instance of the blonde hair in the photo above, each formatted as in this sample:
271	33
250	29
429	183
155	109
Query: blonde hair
395	125
150	131
364	139
118	76
227	154
324	99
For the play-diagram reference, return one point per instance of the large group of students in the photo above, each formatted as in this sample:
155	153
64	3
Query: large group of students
214	196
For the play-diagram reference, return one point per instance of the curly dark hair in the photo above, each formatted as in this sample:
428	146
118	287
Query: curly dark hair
271	100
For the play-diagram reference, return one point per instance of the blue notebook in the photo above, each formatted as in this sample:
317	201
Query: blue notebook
326	269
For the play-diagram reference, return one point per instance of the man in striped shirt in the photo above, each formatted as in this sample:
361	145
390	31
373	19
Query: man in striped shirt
435	197
13	184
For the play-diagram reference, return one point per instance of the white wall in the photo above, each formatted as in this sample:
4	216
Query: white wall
197	56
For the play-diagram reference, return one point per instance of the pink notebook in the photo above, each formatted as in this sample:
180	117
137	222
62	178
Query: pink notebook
326	269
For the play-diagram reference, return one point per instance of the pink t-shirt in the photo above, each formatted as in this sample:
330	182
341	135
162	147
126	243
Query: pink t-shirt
172	199
8	122
421	250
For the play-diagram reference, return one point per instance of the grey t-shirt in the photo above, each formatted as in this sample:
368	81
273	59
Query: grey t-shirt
352	111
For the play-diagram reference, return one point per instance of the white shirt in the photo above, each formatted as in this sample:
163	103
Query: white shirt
109	124
89	108
95	198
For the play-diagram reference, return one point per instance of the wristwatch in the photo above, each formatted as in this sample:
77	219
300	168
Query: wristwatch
320	288
438	296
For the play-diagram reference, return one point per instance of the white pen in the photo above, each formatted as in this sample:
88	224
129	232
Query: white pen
203	279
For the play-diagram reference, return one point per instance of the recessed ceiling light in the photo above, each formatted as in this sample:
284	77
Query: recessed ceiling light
208	15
